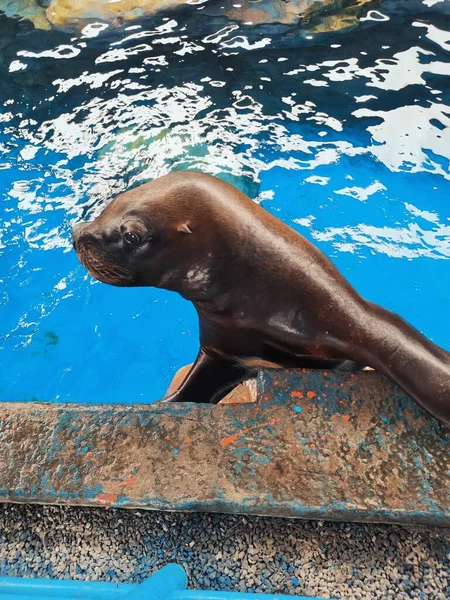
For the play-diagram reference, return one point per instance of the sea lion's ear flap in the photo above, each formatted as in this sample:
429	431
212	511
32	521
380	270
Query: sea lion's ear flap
184	228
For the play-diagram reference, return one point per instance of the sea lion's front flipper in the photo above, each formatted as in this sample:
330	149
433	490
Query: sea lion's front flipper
209	380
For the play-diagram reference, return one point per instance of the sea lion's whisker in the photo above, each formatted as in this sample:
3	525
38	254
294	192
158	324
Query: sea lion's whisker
100	267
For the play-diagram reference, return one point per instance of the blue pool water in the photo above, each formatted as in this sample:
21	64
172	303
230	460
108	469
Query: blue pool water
344	134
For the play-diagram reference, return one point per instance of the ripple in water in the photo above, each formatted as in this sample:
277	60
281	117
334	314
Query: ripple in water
344	135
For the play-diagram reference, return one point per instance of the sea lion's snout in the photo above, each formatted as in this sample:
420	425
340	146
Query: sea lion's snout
88	235
82	235
93	254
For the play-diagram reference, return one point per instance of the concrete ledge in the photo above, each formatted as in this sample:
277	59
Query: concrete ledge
316	445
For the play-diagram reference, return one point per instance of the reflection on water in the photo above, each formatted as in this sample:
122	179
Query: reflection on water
345	136
315	15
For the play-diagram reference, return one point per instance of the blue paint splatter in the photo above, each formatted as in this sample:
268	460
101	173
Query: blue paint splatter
294	580
298	409
175	451
384	419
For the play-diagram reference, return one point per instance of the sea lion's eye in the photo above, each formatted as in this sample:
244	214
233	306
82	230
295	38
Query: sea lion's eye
131	238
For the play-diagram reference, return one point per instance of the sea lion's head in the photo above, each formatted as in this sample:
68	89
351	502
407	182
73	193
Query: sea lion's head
157	234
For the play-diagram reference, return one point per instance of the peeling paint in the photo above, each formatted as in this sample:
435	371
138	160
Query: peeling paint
357	449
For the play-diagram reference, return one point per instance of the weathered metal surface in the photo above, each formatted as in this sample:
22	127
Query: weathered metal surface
316	445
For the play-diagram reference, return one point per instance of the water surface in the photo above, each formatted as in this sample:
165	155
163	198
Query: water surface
344	135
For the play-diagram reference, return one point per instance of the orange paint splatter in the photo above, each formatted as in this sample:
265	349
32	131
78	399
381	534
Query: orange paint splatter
105	429
130	482
276	383
297	394
167	437
4	416
89	454
312	446
15	426
106	498
189	441
232	438
346	417
311	394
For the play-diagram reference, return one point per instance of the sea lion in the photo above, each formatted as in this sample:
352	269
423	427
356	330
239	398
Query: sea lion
265	296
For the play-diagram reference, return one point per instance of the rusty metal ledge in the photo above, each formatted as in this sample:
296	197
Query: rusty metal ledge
316	445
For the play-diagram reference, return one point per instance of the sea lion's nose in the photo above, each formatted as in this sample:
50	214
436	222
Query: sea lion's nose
76	233
76	229
81	234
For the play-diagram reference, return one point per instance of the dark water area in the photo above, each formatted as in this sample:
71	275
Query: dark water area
344	134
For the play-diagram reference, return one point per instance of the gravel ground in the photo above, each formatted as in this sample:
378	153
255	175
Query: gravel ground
227	552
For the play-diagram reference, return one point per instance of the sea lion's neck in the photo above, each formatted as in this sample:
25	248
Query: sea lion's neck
196	281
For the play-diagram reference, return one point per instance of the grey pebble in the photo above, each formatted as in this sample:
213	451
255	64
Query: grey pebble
227	552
